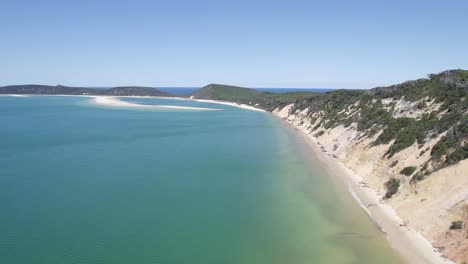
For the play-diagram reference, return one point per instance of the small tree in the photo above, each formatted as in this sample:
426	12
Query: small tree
408	170
392	186
456	225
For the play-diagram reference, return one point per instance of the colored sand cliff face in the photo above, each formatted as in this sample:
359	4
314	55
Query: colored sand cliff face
88	184
409	142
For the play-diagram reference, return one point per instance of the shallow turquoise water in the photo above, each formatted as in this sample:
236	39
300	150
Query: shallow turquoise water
87	184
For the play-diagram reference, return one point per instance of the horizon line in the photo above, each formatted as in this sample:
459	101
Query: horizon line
186	87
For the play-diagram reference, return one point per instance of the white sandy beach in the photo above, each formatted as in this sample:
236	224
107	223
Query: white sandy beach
114	101
410	244
243	106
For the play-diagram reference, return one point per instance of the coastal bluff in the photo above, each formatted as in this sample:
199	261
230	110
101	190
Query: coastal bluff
408	142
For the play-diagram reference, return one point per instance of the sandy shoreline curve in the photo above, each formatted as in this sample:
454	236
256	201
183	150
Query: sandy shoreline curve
114	101
243	106
407	242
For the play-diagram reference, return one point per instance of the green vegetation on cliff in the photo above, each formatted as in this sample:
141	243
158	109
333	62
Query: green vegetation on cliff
408	170
404	114
392	186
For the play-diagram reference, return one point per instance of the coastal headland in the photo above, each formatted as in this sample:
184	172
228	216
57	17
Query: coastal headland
401	150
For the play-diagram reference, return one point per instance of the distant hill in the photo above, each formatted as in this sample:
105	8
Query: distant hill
135	91
263	100
47	89
65	90
224	92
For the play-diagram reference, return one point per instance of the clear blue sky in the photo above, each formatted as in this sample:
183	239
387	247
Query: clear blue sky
337	44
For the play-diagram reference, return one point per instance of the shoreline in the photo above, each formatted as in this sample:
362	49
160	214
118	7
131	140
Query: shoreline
243	106
407	242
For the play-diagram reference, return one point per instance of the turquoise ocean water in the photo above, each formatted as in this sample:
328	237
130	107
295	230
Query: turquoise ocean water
81	183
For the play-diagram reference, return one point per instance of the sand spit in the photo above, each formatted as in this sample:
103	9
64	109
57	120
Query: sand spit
243	106
114	101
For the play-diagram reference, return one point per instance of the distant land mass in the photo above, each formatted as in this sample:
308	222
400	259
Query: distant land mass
131	90
65	90
190	90
263	100
224	92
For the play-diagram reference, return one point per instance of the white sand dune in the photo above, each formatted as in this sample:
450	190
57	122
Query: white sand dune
114	101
